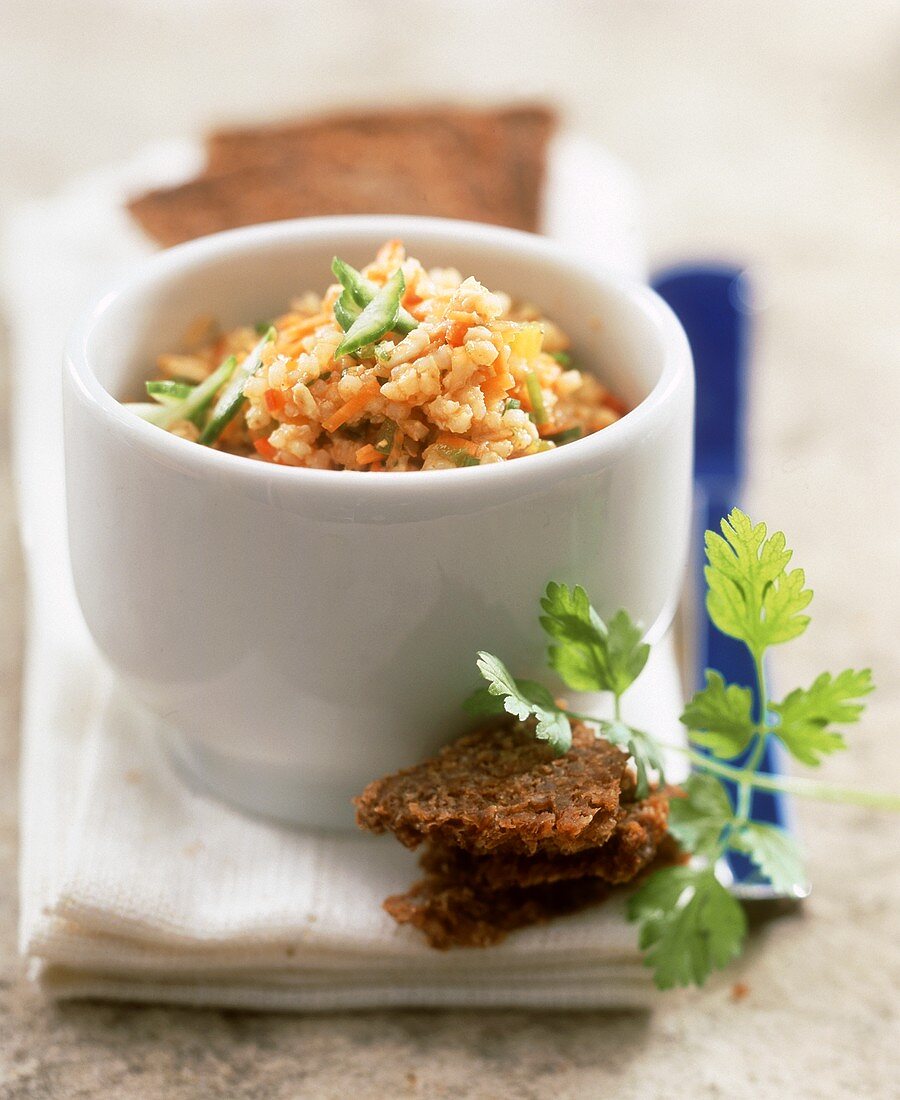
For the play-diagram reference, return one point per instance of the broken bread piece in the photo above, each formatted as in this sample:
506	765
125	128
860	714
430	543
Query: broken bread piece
453	911
498	790
454	914
639	832
452	162
514	834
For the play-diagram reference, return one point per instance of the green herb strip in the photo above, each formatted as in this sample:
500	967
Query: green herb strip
194	405
457	455
385	443
346	310
536	398
168	392
567	436
377	319
362	290
231	399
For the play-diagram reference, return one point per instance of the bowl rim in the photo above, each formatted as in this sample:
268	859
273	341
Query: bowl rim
598	449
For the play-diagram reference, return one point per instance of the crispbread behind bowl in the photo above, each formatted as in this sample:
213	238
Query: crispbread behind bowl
486	166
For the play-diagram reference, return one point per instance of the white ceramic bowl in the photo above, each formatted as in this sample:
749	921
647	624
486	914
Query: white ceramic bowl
300	632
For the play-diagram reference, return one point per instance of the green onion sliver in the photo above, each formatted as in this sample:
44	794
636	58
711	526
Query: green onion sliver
363	290
566	436
457	455
377	319
203	395
538	412
232	397
192	406
346	310
167	392
150	411
385	442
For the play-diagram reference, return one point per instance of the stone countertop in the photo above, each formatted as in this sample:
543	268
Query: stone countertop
761	132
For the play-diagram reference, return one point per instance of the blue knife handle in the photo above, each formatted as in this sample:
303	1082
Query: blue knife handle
712	301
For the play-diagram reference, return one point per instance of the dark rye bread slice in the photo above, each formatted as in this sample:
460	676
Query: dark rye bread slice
514	133
500	790
453	912
639	832
477	165
497	156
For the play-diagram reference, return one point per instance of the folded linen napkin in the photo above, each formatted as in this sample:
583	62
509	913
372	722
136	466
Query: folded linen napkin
135	886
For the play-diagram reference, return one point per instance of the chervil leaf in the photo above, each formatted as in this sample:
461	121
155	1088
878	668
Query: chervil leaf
720	716
773	851
810	743
689	925
806	714
751	594
698	819
580	658
626	654
591	656
483	703
552	725
642	748
830	699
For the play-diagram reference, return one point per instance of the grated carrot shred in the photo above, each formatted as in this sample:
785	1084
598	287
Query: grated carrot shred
264	448
351	408
456	334
612	402
497	386
305	325
367	454
448	439
274	400
553	429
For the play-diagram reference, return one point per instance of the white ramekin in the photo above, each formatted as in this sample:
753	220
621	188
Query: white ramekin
299	632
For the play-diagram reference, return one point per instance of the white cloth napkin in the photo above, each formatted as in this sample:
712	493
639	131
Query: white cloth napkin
134	886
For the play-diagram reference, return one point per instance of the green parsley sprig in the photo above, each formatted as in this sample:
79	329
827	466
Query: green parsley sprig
689	924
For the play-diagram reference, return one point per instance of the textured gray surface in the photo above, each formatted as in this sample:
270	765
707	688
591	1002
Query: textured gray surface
760	131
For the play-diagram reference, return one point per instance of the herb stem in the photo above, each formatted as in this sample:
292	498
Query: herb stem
592	719
747	779
796	785
579	717
786	784
749	769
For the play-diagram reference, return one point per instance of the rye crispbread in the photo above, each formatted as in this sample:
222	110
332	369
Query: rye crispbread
454	912
639	832
500	790
478	165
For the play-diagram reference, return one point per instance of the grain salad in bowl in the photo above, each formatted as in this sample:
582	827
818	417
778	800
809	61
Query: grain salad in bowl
295	629
394	368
